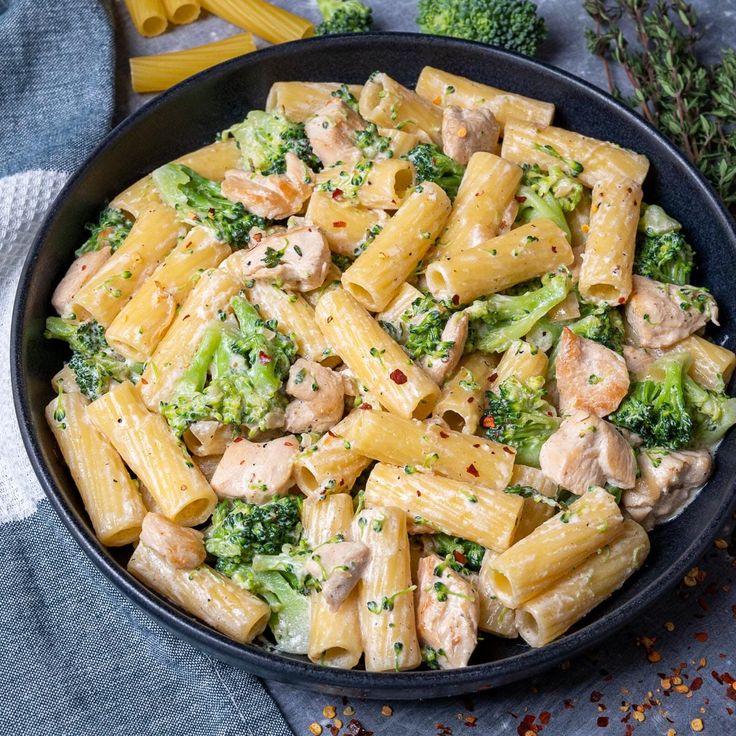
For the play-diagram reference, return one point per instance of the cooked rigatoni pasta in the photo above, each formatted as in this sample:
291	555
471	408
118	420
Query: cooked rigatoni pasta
608	259
110	495
424	446
442	88
480	514
292	303
334	635
391	258
522	254
385	592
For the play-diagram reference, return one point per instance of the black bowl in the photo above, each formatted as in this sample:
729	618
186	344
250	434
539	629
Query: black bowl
189	116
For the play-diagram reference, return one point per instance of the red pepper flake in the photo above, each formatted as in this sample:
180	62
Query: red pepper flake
602	721
257	237
544	717
456	299
355	728
471	400
444	435
264	358
472	470
595	696
508	450
554	249
488	422
703	603
717	677
339	223
398	376
477	444
366	407
697	683
470	721
337	194
629	729
492	377
622	300
520	199
569	705
331	433
701	636
459	557
144	382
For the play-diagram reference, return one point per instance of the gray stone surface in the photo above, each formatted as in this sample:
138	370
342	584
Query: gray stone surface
597	692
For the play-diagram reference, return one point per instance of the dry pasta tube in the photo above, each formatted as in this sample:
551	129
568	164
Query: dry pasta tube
270	22
389	104
550	614
334	637
483	515
147	445
494	617
488	186
143	321
608	260
567	539
204	593
600	160
161	71
376	360
182	12
386	593
536	510
519	255
110	496
442	88
523	361
387	184
378	273
331	465
153	236
148	16
300	100
423	446
463	396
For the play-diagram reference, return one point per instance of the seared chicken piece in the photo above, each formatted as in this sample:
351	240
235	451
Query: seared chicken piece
588	451
256	471
298	259
465	132
659	315
447	612
338	567
666	482
590	376
456	332
319	395
275	196
180	546
637	360
79	273
331	132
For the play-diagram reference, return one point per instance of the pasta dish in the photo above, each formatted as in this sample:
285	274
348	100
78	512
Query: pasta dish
380	371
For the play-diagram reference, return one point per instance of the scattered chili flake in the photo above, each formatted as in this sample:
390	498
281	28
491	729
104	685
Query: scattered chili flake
654	656
701	636
696	684
602	721
671	732
398	376
387	710
622	300
669	626
508	450
339	223
456	299
569	705
595	696
444	435
459	557
470	721
721	543
437	100
554	249
329	711
337	193
257	237
472	470
365	407
264	358
544	717
315	728
489	422
334	730
697	725
355	728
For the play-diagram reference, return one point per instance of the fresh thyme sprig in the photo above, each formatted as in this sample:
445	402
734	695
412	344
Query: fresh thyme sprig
653	46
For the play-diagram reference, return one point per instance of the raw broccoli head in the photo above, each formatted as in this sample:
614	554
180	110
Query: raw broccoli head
111	229
466	553
235	376
498	320
656	409
264	139
510	24
200	201
432	165
344	16
713	413
93	361
600	323
667	257
518	415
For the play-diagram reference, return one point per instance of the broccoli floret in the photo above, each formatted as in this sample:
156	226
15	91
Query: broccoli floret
518	415
372	144
431	657
93	361
655	221
200	201
656	408
510	24
466	553
549	195
600	323
344	183
422	325
498	320
235	376
713	412
111	229
667	257
264	139
432	165
344	16
343	93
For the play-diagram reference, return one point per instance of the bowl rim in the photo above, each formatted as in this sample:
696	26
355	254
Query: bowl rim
301	672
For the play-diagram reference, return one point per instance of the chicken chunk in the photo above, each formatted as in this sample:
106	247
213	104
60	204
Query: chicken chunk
298	259
79	273
338	567
319	395
331	132
256	471
465	132
659	315
447	612
275	196
666	483
590	376
456	332
637	360
180	546
588	451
